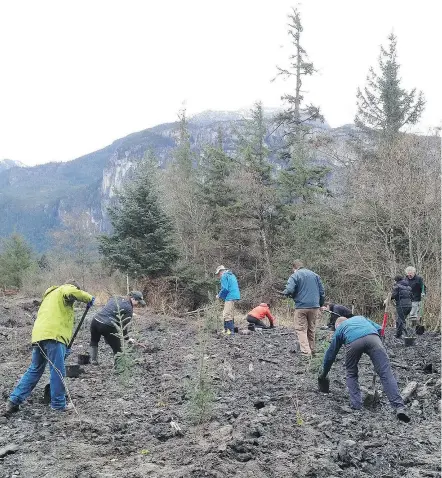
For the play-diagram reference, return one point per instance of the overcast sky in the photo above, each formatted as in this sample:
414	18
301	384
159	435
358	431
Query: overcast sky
77	75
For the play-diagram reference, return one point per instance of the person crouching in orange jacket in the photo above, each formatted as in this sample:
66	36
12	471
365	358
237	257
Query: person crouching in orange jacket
255	317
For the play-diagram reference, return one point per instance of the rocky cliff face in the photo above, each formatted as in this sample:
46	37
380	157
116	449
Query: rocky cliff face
35	199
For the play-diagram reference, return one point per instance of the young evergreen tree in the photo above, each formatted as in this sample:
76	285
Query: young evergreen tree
16	259
141	243
180	196
384	106
215	190
256	207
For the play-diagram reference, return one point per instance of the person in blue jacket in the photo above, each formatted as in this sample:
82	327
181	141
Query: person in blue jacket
361	335
229	293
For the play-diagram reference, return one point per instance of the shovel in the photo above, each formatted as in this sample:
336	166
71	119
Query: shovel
47	392
372	397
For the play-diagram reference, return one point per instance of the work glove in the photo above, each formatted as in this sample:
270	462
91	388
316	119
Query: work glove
91	302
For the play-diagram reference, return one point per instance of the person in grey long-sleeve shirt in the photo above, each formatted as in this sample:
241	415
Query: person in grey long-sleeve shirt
305	288
112	321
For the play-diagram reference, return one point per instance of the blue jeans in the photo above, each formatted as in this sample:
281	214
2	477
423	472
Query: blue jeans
44	350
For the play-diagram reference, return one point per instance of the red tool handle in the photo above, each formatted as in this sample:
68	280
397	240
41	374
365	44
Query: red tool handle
384	321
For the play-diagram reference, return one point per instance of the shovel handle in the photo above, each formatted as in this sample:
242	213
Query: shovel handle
79	325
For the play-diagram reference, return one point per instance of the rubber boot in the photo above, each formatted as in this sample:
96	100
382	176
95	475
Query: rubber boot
94	355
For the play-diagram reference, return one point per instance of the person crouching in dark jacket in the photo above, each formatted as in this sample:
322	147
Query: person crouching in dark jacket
336	310
401	294
111	323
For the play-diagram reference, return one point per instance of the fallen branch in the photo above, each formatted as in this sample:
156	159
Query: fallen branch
399	365
276	362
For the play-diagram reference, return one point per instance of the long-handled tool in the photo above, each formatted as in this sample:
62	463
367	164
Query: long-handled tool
47	392
373	397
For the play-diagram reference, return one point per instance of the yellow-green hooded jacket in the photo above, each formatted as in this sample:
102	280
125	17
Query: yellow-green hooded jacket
55	318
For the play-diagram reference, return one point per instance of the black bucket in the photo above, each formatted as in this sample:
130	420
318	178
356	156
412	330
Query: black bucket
84	359
73	371
409	341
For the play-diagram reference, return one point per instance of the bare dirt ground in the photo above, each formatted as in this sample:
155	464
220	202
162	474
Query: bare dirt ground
267	419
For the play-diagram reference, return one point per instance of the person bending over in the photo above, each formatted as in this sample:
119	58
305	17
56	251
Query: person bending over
360	335
111	323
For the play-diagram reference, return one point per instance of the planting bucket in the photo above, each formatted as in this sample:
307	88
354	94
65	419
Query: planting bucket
409	341
84	359
73	371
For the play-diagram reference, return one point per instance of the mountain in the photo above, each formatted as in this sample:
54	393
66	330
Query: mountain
9	163
33	200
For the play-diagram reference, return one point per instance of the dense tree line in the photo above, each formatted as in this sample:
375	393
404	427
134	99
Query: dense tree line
255	215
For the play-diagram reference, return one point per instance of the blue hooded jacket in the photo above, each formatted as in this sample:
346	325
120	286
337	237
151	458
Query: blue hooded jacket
306	289
346	333
229	287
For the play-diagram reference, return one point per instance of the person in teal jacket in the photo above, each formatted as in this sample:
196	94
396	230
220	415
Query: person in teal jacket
361	335
229	293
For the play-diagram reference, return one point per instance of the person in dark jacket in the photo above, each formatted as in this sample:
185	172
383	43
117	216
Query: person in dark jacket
361	335
401	294
336	310
112	321
305	288
418	290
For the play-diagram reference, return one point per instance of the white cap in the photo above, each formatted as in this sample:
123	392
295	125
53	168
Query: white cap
219	269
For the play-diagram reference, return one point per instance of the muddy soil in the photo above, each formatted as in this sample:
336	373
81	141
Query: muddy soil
267	418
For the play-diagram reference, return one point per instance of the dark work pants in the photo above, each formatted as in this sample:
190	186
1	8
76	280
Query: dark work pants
372	346
109	332
257	322
402	313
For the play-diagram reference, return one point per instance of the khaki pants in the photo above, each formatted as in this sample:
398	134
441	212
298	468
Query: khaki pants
229	310
305	326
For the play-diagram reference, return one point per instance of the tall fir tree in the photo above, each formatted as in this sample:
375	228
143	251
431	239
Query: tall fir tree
297	116
142	240
302	179
384	106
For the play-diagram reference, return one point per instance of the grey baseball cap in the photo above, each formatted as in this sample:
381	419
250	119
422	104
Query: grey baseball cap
138	296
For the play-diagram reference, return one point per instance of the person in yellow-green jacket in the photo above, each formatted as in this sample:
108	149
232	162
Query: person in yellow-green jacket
51	335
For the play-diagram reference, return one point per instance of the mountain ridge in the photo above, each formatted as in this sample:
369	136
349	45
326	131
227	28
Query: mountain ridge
35	198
